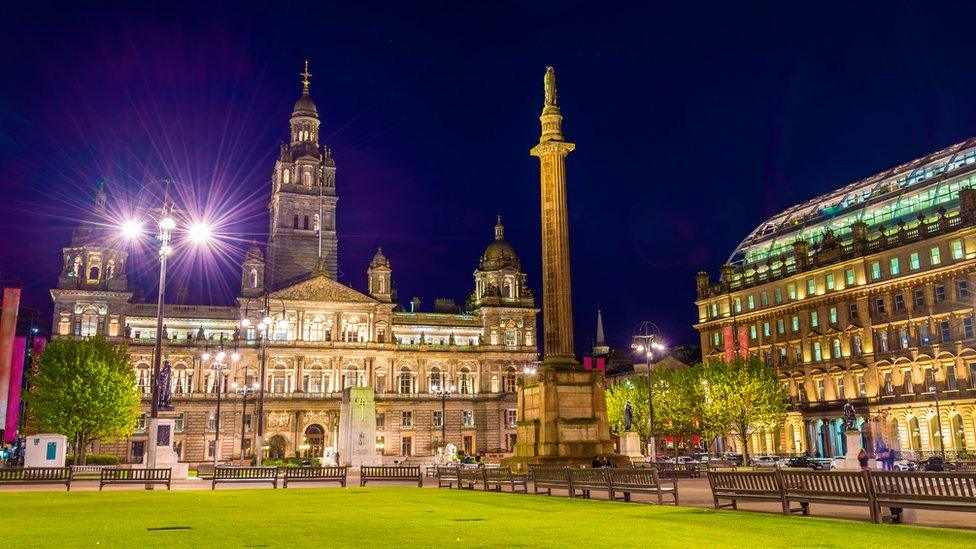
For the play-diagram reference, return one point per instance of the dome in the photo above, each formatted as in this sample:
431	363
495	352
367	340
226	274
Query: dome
499	254
305	107
379	260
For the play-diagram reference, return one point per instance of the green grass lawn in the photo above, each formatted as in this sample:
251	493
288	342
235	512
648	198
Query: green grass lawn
409	517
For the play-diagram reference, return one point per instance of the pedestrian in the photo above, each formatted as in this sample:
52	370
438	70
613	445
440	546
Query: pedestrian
597	462
862	459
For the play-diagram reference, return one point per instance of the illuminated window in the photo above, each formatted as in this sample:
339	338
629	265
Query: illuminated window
791	291
780	326
835	348
814	319
957	249
893	267
752	302
752	332
849	276
875	270
833	315
811	287
913	262
935	256
830	282
765	329
89	323
817	354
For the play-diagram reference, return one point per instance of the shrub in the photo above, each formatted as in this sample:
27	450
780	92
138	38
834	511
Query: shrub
94	459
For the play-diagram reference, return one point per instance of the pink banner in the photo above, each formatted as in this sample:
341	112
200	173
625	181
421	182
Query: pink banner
8	327
13	398
728	343
743	342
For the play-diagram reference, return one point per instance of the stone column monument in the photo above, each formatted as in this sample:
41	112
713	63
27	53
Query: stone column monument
357	428
563	411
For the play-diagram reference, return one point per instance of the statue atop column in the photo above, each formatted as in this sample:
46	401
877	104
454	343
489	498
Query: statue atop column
550	86
850	419
165	392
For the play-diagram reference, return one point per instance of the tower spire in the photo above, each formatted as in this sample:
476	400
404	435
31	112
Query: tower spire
306	78
499	229
600	347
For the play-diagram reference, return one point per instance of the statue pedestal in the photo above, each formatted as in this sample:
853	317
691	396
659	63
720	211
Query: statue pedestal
166	457
630	445
849	462
357	428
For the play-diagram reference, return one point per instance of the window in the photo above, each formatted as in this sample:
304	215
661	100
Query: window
467	418
887	386
862	388
883	341
406	420
849	277
830	281
940	293
856	345
782	356
875	270
833	315
893	267
305	223
817	355
778	293
510	381
294	224
211	421
928	380
907	384
780	326
852	310
913	262
795	323
511	417
879	306
180	423
967	327
923	334
814	319
137	451
713	310
768	358
511	338
380	421
972	374
821	389
406	381
752	332
919	297
801	391
798	354
791	291
89	323
765	329
465	382
935	257
811	287
141	424
716	338
899	302
406	446
962	289
738	305
841	392
437	417
957	251
763	299
903	337
944	331
751	302
950	377
835	348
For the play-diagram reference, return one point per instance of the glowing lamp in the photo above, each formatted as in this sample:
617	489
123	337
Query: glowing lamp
131	229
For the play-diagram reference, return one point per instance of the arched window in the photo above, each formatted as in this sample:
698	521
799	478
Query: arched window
406	381
914	435
294	224
93	273
381	284
143	378
253	278
465	382
316	330
306	177
935	434
286	176
436	380
305	225
511	338
958	435
507	289
89	322
894	434
509	381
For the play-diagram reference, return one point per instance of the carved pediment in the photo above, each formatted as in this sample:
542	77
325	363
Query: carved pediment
321	288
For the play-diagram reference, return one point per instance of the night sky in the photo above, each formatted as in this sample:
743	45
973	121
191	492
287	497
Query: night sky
692	124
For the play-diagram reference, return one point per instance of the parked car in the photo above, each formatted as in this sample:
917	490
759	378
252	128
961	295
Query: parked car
768	462
805	462
904	465
934	463
733	458
687	460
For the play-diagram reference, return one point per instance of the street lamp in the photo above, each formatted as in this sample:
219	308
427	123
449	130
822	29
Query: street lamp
244	391
264	327
132	229
219	366
442	392
938	416
645	343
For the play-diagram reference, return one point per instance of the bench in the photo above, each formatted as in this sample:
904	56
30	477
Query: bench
496	478
585	480
37	475
468	477
954	491
446	476
89	472
733	486
135	476
314	474
245	474
400	473
832	487
640	481
205	471
678	470
431	471
549	478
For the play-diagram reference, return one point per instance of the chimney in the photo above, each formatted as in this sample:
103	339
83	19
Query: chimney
415	305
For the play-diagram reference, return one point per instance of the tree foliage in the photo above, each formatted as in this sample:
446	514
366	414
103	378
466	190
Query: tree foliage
633	390
677	402
85	390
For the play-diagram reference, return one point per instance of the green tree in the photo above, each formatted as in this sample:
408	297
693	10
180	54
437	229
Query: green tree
677	402
85	390
633	390
741	396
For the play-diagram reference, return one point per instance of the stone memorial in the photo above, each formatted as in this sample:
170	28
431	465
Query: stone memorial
357	428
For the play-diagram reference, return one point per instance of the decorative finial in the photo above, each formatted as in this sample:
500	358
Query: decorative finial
550	86
499	229
306	76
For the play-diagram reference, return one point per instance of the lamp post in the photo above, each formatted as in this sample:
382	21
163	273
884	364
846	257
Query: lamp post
645	343
264	327
219	365
244	391
198	233
442	392
938	417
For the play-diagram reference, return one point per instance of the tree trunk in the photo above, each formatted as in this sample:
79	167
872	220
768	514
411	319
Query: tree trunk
77	449
744	437
82	450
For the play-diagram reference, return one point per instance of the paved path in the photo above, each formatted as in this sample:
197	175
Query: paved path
691	492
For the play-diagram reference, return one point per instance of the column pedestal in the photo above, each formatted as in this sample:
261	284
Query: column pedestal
166	457
630	445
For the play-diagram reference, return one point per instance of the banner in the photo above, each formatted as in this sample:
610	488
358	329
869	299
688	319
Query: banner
8	327
743	342
13	398
728	342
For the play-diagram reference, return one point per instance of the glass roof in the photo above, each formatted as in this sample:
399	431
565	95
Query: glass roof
901	193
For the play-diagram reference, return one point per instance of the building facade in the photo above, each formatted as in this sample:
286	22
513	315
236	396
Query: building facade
863	294
323	336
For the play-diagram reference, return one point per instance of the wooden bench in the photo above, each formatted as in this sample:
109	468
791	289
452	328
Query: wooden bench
36	475
549	478
496	478
733	486
314	474
89	472
955	491
640	481
135	476
832	487
401	473
678	470
245	474
446	476
431	471
205	471
585	480
469	477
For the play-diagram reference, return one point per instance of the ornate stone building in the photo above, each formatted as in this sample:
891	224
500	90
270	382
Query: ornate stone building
324	336
862	294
